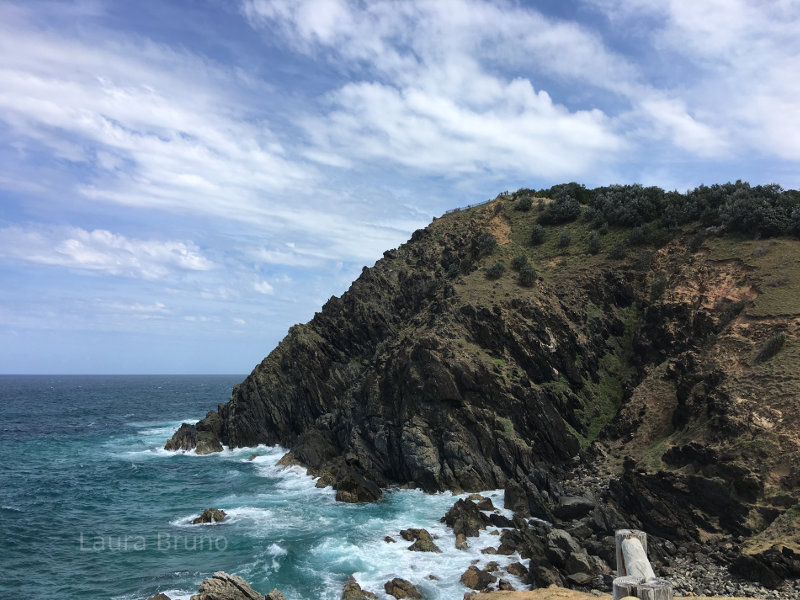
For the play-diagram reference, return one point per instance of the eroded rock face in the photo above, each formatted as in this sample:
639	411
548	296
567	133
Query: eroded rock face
222	586
465	518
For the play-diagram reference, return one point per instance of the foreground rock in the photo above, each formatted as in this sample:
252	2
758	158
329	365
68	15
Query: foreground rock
423	542
210	515
222	586
477	579
401	588
353	591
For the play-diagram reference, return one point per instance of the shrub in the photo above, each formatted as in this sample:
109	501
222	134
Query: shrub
565	239
540	204
495	271
638	236
524	204
518	262
697	240
563	209
618	251
538	233
771	347
527	276
657	288
595	243
484	245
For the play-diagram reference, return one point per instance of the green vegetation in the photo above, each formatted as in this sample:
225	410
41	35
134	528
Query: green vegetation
562	209
658	287
565	239
495	270
527	276
538	234
484	245
518	262
771	347
595	243
524	204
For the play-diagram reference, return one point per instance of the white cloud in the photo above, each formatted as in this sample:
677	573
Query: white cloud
101	251
438	94
263	287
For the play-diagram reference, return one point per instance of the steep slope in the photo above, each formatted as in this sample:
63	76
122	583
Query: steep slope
636	355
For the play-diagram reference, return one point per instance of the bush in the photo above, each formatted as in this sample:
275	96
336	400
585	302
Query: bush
540	204
658	288
595	243
538	233
565	239
563	209
518	262
639	236
524	204
495	271
618	251
771	347
527	276
484	245
697	240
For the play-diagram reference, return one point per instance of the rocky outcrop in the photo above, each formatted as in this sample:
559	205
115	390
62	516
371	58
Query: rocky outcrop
640	369
477	579
353	591
159	597
222	586
423	542
402	588
210	515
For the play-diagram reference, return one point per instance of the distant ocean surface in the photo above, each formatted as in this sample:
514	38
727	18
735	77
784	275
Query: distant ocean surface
93	507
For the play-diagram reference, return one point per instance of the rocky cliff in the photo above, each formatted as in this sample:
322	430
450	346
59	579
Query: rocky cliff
482	354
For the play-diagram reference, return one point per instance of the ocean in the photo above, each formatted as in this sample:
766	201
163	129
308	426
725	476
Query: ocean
93	507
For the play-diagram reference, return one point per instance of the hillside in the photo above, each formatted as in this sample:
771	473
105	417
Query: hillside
643	340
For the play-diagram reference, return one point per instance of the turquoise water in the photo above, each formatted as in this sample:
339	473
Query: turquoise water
94	508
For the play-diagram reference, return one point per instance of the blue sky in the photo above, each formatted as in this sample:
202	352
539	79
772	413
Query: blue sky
181	181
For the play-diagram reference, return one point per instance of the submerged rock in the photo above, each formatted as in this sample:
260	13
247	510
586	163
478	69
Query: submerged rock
223	586
210	515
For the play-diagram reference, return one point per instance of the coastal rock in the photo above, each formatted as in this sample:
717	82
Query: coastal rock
275	595
517	569
465	517
477	579
353	591
461	541
210	515
203	437
573	507
423	542
402	588
505	586
159	596
222	586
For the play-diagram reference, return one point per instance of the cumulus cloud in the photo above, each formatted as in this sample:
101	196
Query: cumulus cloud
101	251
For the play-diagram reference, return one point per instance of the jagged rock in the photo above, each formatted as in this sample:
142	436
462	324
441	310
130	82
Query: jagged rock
580	579
353	591
389	540
423	542
477	579
489	550
517	569
515	498
210	515
159	596
203	437
353	487
461	542
522	540
274	595
578	562
222	586
499	520
573	507
505	586
465	517
543	575
560	539
401	588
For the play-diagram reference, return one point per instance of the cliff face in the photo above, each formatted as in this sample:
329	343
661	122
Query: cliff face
643	366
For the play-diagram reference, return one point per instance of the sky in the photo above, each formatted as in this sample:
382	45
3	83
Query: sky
183	180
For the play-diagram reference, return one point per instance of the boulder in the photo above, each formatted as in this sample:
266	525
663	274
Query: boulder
517	569
516	499
573	507
578	562
505	586
580	579
477	579
274	595
223	586
461	542
159	597
541	574
560	539
210	515
499	520
353	591
465	517
353	487
423	542
401	588
389	540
